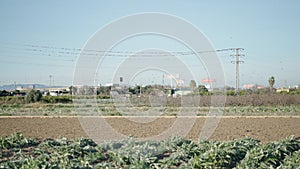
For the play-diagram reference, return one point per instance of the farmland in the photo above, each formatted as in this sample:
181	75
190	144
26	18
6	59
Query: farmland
265	129
149	84
244	105
254	131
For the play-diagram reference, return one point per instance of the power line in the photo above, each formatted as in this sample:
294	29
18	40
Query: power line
35	64
65	52
70	54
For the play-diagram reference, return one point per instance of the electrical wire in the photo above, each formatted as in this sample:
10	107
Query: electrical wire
66	54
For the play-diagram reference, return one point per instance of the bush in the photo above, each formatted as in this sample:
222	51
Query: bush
57	99
103	97
12	100
33	96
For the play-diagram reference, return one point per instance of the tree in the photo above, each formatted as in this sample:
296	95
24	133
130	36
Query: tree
193	85
271	82
73	90
104	90
33	96
202	89
4	93
86	90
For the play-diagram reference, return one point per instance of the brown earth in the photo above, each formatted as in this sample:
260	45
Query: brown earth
263	128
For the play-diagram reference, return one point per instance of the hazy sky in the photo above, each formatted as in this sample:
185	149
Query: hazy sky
34	33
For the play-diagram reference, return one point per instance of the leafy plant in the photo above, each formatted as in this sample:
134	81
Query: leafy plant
16	140
20	152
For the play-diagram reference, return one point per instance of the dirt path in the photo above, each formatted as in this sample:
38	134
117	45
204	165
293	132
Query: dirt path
262	128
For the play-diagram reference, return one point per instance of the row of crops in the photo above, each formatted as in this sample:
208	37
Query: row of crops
18	151
109	109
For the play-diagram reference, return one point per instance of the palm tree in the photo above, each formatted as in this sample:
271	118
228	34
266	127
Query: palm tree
271	82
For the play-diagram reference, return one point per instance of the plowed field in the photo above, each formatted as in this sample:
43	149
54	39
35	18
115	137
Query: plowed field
263	128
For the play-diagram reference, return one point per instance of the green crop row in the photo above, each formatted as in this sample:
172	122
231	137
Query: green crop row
20	152
109	109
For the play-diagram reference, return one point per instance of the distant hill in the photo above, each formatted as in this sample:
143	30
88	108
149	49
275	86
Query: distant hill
24	86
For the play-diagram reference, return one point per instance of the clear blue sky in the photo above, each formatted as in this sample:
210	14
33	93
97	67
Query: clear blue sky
269	31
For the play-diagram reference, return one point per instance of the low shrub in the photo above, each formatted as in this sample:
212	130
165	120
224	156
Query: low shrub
57	99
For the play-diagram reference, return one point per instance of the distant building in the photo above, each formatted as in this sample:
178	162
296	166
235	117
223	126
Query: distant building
252	86
58	91
112	85
260	87
19	88
281	90
31	86
182	91
249	86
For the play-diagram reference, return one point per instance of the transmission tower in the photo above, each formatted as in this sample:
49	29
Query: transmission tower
237	62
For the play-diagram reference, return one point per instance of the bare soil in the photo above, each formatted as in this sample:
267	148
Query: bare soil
263	128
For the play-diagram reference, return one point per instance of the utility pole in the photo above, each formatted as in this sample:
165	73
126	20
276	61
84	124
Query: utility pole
50	80
237	62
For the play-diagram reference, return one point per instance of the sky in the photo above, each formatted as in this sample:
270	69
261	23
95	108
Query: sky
43	38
